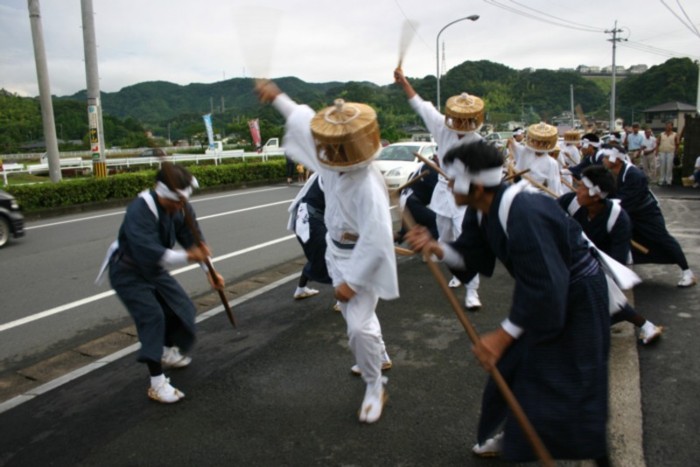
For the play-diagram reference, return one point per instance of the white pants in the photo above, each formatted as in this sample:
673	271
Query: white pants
666	167
649	166
365	334
449	228
363	329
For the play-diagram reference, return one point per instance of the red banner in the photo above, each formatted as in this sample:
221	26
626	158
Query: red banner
254	126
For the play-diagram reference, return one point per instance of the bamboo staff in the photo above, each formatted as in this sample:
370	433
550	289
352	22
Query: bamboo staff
415	179
518	412
189	220
568	185
431	164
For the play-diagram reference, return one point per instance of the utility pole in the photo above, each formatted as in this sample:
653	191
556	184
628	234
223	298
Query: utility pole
92	76
697	95
42	74
614	31
571	91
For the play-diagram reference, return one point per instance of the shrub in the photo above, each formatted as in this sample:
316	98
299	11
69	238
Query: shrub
46	196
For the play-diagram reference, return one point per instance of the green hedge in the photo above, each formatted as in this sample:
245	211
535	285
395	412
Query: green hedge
43	196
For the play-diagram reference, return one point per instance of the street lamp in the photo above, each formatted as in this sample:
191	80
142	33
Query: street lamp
437	52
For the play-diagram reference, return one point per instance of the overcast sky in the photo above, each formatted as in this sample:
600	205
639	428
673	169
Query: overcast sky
204	41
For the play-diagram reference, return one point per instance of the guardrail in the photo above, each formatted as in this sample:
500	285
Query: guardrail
81	164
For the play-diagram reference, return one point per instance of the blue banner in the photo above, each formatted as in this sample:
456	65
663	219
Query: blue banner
210	131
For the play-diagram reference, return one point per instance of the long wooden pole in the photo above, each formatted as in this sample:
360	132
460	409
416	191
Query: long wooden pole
515	407
189	220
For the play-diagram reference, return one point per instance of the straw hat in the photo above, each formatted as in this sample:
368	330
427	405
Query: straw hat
542	137
572	136
464	113
346	135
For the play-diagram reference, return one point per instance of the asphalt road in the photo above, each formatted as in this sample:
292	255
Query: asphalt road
50	301
278	391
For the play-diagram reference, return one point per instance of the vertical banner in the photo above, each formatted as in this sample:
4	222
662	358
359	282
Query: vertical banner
94	132
210	130
254	126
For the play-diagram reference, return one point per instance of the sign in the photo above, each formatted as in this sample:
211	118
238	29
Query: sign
254	126
210	130
94	132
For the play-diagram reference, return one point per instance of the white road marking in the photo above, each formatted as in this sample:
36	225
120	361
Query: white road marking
118	213
75	374
100	296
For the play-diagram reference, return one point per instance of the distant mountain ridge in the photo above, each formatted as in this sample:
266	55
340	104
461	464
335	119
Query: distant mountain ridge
505	90
173	111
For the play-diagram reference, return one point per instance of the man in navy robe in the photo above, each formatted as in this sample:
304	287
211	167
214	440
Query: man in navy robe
161	309
648	224
553	347
608	226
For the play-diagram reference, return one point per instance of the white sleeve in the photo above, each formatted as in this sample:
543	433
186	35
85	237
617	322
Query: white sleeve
173	258
451	258
284	105
513	330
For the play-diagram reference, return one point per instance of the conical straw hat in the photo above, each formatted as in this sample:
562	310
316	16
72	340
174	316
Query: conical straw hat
572	136
464	112
542	137
346	135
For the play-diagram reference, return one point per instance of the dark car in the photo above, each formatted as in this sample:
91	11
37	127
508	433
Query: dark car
11	218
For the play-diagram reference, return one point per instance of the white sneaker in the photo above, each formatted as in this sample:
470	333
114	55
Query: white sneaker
688	279
165	393
373	403
337	308
648	334
304	292
172	358
472	301
492	447
454	283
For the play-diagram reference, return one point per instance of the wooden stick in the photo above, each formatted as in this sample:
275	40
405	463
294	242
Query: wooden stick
517	411
514	174
403	251
640	248
418	177
198	241
431	164
568	185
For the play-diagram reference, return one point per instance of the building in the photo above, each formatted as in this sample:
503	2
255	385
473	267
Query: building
637	69
657	116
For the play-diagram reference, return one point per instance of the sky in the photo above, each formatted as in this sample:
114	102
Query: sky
205	41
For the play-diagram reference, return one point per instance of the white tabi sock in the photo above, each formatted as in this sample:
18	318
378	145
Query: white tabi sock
157	381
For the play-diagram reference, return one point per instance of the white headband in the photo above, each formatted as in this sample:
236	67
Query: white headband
463	178
585	143
163	191
518	132
612	154
593	189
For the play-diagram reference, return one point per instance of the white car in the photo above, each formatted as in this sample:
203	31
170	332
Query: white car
397	161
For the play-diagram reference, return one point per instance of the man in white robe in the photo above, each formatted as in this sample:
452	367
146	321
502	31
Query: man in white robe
448	216
360	247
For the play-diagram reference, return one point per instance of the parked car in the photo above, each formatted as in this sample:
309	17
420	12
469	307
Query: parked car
11	218
153	152
498	139
398	160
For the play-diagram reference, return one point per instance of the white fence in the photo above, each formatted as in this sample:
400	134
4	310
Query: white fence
74	163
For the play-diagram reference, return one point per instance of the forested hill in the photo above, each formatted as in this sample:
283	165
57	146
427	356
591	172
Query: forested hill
166	108
508	93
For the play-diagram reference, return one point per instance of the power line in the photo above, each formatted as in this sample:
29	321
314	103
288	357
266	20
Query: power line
691	27
655	50
412	24
564	23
